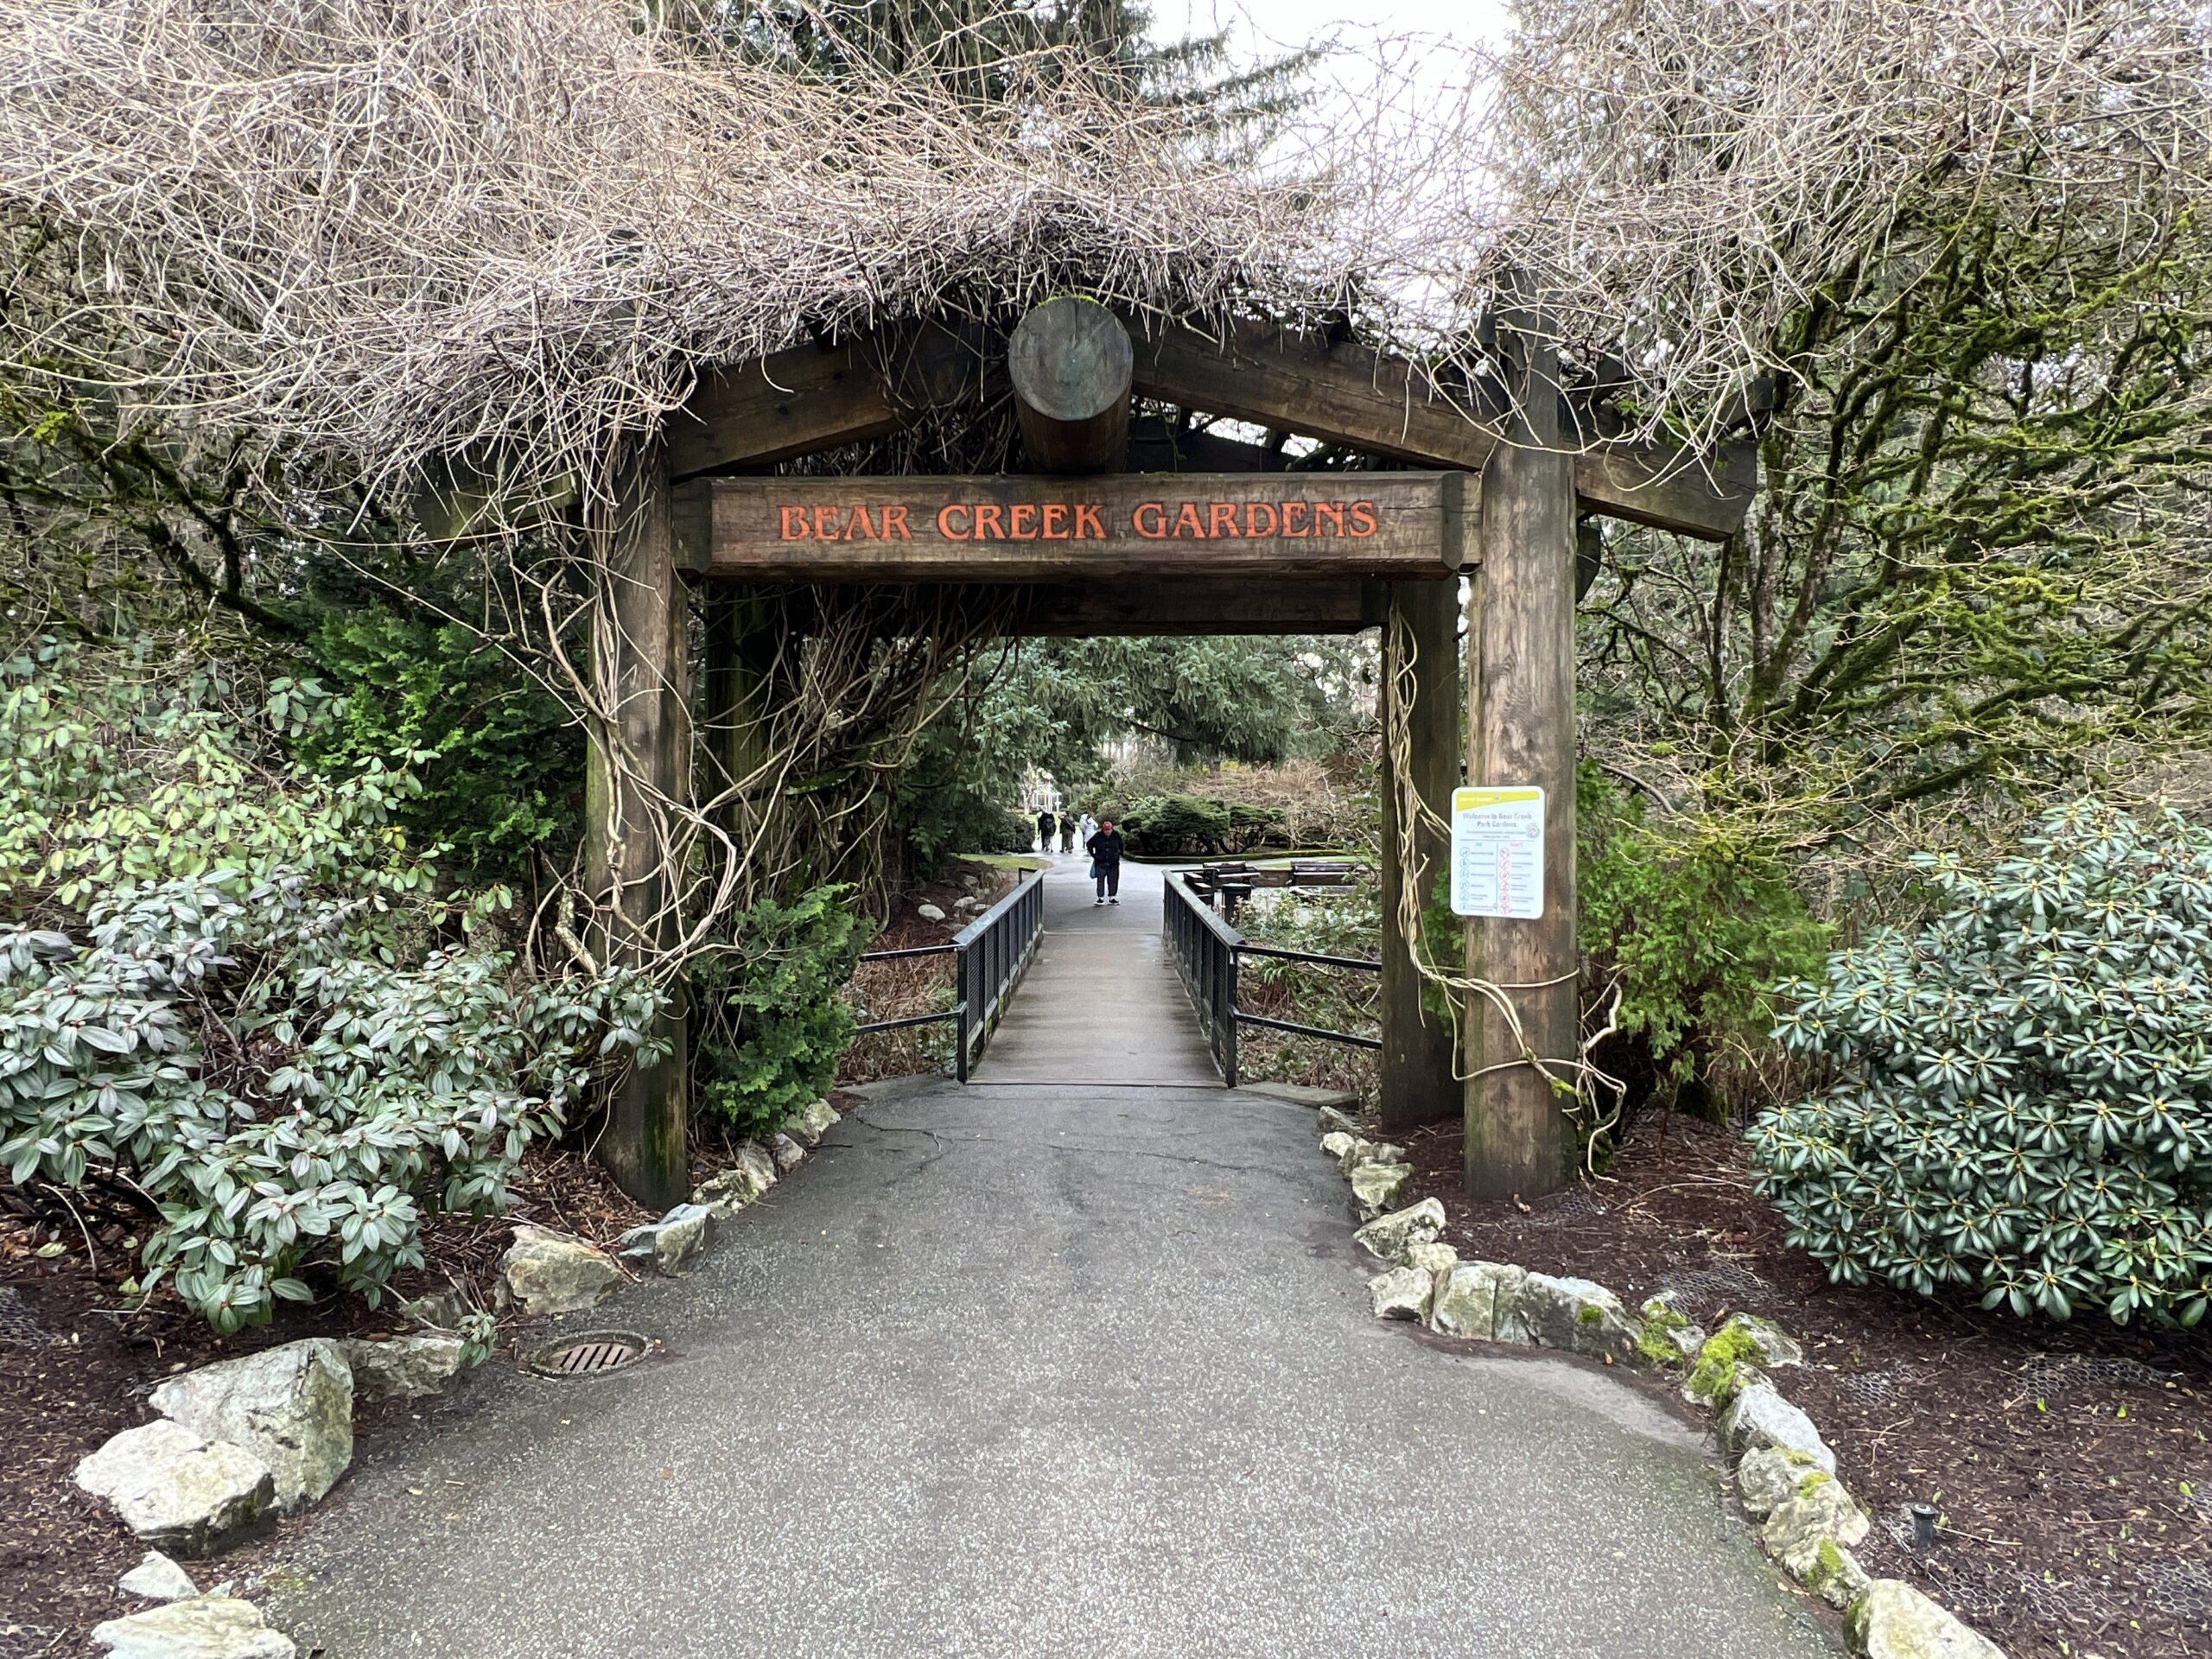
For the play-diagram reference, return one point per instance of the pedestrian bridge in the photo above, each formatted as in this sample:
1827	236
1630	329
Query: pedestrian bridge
1100	1002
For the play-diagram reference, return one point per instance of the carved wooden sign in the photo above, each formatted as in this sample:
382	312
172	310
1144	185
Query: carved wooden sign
1398	526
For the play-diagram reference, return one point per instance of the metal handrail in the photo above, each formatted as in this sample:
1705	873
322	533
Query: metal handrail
1206	949
995	952
1203	948
990	957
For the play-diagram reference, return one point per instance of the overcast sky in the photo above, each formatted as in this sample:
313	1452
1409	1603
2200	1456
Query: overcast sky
1259	26
1399	38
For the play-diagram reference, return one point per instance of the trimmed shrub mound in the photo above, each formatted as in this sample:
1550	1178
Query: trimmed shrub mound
2022	1095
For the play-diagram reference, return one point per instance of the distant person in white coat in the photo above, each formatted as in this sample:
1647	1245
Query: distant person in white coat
1090	828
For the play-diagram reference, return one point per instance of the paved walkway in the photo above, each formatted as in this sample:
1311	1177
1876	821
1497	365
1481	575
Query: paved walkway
1101	1002
1038	1369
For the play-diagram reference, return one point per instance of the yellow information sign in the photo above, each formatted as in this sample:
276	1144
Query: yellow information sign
1498	853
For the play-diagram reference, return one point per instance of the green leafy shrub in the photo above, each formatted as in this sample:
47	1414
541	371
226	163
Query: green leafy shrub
943	822
1697	923
771	1024
1162	826
498	759
258	1037
2023	1088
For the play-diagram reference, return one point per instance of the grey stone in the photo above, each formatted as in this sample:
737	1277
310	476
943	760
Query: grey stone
1363	1151
1759	1416
1892	1620
1468	1299
1376	1186
667	1244
751	1173
1573	1315
816	1121
1333	1121
157	1578
546	1273
1668	1334
1389	1237
929	912
441	1310
207	1627
178	1490
1836	1576
1337	1142
1820	1512
1433	1257
1776	1349
405	1368
787	1152
1769	1476
1401	1293
292	1407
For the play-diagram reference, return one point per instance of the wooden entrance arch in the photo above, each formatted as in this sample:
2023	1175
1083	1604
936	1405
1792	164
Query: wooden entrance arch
1186	536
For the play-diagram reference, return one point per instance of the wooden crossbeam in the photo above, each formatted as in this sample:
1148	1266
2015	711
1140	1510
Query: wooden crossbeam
815	397
1275	377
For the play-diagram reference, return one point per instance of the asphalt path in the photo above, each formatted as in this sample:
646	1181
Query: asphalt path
1030	1371
1048	1365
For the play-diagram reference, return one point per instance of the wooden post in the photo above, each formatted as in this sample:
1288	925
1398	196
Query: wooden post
738	660
1071	362
1419	1044
1521	731
639	670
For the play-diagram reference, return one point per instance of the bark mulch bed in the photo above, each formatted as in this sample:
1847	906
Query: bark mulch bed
2071	1463
78	1358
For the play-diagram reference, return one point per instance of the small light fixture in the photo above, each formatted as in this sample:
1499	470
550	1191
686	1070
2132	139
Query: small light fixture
1923	1525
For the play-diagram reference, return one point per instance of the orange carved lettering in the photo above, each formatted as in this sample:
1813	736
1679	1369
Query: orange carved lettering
1022	522
1333	511
1363	518
894	523
989	527
1256	525
944	522
825	522
857	527
1089	525
1149	520
1222	519
795	525
1293	518
1188	523
1055	527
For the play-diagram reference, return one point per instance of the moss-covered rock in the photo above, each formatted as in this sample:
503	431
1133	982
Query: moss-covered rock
1892	1620
1668	1338
1728	1363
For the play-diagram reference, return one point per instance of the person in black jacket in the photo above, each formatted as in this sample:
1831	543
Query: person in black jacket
1067	832
1105	850
1045	831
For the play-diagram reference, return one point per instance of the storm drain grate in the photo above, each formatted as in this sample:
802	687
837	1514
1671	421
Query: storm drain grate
594	1351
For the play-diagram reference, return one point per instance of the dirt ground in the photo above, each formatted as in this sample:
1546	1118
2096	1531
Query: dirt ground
2070	1463
78	1358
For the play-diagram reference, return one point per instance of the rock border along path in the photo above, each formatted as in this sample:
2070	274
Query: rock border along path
1033	1371
1785	1475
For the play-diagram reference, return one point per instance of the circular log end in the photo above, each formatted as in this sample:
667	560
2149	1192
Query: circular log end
1070	360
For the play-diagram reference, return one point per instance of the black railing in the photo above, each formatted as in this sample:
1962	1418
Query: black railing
990	957
1205	950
